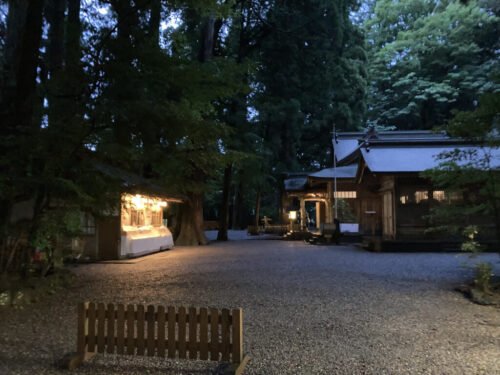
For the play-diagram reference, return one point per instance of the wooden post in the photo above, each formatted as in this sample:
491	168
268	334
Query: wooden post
130	329
91	328
214	334
182	332
193	333
82	328
110	336
203	333
171	332
239	361
150	340
161	332
140	330
318	214
225	335
303	223
101	318
120	329
237	336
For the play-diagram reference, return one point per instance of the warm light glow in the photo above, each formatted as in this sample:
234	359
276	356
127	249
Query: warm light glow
163	204
421	195
138	202
345	194
438	195
292	215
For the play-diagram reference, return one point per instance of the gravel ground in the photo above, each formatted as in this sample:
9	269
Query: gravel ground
307	310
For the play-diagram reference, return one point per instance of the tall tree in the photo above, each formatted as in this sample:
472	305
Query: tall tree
18	93
311	75
429	58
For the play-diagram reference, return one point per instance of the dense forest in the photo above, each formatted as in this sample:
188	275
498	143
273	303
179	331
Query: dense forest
215	100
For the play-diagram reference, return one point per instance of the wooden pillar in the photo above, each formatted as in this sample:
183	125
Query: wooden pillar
318	214
329	203
303	223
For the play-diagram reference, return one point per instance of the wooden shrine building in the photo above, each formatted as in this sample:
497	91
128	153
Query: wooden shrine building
378	178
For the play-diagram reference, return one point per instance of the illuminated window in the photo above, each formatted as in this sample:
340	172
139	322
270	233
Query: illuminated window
133	217
345	194
421	195
140	219
156	218
404	199
438	195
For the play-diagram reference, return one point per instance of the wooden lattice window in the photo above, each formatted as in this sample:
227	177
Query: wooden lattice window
133	217
156	218
140	219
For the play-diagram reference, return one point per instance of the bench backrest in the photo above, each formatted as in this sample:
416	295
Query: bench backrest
160	331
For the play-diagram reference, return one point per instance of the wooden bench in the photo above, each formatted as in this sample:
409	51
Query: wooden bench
206	334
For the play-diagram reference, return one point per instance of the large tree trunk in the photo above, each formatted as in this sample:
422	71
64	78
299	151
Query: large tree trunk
238	207
73	32
127	25
55	17
154	22
18	95
192	232
224	208
16	20
257	208
28	62
74	76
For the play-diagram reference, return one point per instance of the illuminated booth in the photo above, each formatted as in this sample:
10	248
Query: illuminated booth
136	227
142	226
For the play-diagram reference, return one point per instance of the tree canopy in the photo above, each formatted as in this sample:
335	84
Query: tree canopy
216	99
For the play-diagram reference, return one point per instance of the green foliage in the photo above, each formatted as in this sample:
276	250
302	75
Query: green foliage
311	75
345	213
472	173
429	58
484	273
55	226
483	270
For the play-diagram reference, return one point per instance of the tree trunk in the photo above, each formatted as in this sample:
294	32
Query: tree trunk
73	32
74	83
18	96
16	20
154	22
207	40
238	207
224	208
28	62
257	208
55	17
192	232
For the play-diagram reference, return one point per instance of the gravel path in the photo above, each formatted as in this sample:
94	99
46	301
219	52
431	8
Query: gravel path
307	310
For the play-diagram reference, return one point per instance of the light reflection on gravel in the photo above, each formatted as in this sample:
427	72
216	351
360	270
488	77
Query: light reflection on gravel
307	310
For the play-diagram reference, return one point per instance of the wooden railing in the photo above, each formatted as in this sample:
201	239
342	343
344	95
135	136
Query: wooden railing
206	334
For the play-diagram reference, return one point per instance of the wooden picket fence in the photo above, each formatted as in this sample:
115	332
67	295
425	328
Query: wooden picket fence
205	334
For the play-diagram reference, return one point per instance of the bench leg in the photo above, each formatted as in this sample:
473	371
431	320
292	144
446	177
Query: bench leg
71	361
236	368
